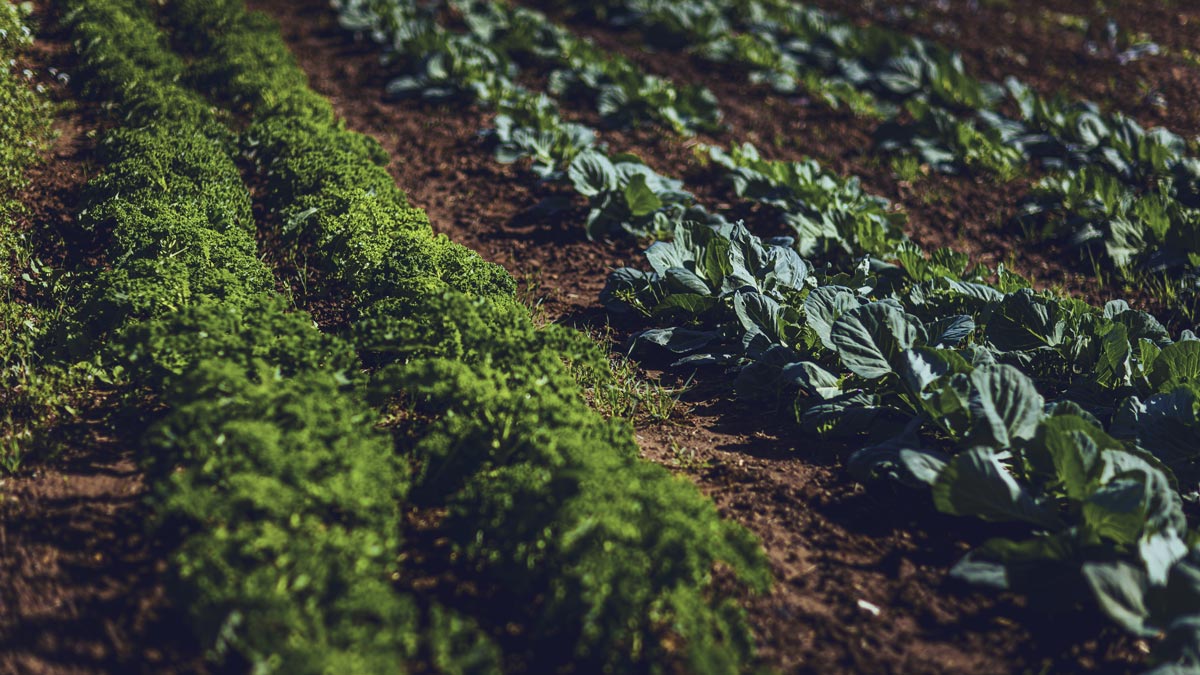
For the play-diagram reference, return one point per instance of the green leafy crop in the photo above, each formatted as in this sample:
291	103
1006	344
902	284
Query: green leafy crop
267	463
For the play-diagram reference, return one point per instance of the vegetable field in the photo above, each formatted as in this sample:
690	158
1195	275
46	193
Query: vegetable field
542	336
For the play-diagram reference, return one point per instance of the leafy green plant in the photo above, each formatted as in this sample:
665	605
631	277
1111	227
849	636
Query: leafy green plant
830	215
941	373
627	196
990	397
620	90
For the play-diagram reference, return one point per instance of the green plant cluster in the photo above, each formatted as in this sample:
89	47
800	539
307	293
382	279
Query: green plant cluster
917	88
480	64
513	431
269	467
266	468
622	93
1009	405
624	195
832	216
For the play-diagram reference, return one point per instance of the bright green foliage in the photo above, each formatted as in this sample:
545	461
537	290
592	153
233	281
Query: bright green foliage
267	466
507	411
264	329
539	512
359	226
295	530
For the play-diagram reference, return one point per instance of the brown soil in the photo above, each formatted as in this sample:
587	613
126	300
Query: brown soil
831	543
80	588
1029	39
81	584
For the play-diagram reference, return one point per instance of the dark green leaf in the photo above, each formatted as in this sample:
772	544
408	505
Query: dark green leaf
592	174
976	483
1120	589
1005	404
640	198
869	338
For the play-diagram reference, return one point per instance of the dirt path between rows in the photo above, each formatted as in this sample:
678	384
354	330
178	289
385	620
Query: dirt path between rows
861	575
1042	44
80	584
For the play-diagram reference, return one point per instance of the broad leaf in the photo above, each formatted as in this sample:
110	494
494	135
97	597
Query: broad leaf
1005	405
1177	366
1066	451
948	331
824	305
976	483
1120	588
870	338
592	174
1026	321
677	340
640	198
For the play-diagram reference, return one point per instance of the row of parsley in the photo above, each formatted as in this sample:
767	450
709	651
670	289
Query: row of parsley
282	497
944	371
1125	193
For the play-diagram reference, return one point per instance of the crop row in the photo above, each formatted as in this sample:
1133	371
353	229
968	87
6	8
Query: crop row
1127	194
269	469
1009	405
481	64
19	107
1104	159
625	196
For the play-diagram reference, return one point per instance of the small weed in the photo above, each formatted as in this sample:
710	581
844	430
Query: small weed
907	168
686	458
532	293
626	391
933	195
632	395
